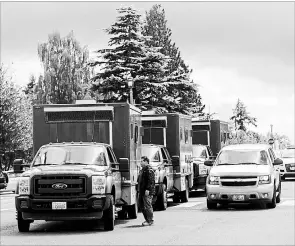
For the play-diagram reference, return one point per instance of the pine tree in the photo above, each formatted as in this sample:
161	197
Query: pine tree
242	117
129	59
187	100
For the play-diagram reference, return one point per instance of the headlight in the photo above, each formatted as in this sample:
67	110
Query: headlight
98	184
24	185
264	179
214	180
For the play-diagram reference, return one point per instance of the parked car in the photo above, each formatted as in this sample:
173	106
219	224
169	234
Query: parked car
3	180
244	173
287	169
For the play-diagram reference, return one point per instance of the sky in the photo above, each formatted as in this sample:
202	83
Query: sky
237	50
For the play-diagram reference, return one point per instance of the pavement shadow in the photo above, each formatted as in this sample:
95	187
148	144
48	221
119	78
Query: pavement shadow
197	194
70	227
235	207
133	226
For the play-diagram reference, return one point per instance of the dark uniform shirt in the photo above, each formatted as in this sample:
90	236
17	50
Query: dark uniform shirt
146	180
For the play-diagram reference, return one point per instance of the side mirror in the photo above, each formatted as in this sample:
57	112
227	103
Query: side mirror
208	163
175	161
115	166
18	165
123	164
166	163
277	161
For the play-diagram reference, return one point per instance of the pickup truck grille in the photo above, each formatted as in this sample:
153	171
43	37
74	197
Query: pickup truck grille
68	185
239	181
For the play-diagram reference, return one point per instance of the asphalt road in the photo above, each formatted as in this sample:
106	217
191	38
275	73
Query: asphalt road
181	224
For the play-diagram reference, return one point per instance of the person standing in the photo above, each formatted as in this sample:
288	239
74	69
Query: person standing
146	185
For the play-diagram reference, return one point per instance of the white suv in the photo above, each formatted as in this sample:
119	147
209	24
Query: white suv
244	173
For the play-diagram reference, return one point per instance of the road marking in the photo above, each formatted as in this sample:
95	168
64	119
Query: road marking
188	204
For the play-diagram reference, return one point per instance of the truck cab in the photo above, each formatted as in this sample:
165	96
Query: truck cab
85	166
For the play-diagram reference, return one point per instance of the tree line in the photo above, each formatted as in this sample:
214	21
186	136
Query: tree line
140	50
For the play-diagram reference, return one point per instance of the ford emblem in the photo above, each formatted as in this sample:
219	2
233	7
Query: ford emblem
59	186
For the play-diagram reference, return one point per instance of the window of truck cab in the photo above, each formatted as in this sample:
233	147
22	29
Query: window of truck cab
71	155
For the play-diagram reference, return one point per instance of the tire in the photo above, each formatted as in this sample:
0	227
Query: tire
23	225
132	211
273	203
278	198
6	177
162	202
122	215
109	216
185	194
211	205
176	198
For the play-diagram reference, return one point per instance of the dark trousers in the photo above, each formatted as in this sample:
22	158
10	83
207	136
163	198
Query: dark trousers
145	204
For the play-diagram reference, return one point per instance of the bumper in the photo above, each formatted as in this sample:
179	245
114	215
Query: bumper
76	208
251	194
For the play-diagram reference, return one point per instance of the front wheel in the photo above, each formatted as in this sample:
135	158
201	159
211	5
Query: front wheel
211	205
132	211
273	203
23	225
278	198
162	198
109	216
185	194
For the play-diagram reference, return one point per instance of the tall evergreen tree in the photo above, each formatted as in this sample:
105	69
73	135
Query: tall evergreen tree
129	59
242	117
189	100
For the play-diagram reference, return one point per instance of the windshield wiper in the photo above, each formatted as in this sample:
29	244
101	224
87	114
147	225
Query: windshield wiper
74	163
224	164
51	164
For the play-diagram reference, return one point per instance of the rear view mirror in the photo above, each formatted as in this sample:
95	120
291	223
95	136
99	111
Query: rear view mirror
278	161
175	161
208	163
123	164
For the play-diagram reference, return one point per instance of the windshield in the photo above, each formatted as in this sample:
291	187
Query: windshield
239	157
151	152
199	152
69	155
288	153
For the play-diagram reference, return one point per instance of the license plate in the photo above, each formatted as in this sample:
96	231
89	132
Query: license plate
238	197
59	205
292	168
